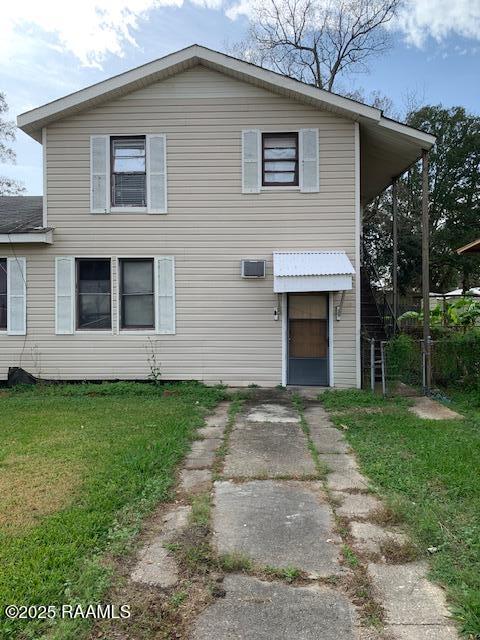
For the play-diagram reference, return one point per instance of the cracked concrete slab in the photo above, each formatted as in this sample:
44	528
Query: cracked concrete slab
355	505
369	537
155	565
429	409
195	480
317	416
202	453
329	440
339	462
325	436
256	610
270	450
277	523
421	632
346	480
211	432
219	417
407	596
270	412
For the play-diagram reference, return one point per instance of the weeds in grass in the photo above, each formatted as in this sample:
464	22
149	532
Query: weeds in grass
399	552
177	598
320	466
288	574
386	516
426	471
235	562
201	507
349	556
235	408
123	440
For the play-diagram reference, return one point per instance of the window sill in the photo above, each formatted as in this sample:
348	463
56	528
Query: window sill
137	332
128	210
280	188
93	332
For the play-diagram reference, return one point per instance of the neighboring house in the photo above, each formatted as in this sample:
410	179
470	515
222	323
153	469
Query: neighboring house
159	182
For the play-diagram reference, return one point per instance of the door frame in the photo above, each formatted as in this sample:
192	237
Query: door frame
331	381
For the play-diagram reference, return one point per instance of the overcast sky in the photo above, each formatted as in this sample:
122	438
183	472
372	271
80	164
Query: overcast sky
53	47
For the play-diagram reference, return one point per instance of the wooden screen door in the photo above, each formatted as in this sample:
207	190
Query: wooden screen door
308	339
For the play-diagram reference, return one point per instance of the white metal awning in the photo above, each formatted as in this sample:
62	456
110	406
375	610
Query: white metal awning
311	271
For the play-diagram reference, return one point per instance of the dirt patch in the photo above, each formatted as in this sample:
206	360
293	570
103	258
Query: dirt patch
32	487
385	516
429	409
399	552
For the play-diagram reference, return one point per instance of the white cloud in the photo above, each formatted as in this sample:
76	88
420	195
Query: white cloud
89	29
94	29
438	19
418	19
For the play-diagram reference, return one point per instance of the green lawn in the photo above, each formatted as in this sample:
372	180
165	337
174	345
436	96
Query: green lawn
430	472
80	466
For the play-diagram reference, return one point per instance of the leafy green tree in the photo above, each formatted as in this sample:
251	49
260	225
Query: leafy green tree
8	186
454	180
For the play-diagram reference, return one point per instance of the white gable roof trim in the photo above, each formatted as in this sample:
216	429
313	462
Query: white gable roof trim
302	271
32	121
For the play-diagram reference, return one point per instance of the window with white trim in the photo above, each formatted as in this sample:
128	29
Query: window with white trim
83	294
128	174
93	293
128	171
137	293
280	159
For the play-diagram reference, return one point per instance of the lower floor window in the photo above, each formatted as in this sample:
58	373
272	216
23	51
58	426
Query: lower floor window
94	292
3	294
137	292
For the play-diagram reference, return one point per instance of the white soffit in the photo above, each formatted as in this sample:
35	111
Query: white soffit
35	237
302	271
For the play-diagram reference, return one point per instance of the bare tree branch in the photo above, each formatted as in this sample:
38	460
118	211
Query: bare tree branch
8	186
317	40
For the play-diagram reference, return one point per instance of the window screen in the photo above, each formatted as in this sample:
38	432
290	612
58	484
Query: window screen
128	172
137	294
3	294
94	294
280	159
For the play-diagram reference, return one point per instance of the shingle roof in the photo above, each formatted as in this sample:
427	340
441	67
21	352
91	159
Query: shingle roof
21	214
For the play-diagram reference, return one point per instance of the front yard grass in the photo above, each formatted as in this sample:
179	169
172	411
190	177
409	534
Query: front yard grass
80	467
429	473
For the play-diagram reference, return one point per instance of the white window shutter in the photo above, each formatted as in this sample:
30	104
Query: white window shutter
157	173
16	296
309	167
251	161
100	174
165	294
64	294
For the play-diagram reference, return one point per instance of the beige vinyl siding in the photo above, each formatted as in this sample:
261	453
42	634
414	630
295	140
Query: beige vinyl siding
225	329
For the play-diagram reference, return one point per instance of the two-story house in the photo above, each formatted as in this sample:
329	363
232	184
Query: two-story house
201	209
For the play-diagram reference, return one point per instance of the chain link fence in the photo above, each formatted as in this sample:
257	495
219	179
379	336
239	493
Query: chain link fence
455	361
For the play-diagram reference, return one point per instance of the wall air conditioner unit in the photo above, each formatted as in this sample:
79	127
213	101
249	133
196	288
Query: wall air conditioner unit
253	268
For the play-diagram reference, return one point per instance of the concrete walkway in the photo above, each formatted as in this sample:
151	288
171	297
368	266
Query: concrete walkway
275	507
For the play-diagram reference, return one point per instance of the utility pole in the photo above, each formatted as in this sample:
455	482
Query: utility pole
426	273
395	252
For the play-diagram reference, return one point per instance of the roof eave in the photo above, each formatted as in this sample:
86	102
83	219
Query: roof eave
44	236
31	122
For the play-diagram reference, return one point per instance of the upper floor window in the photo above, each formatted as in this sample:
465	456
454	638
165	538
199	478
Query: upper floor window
3	294
280	159
128	179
